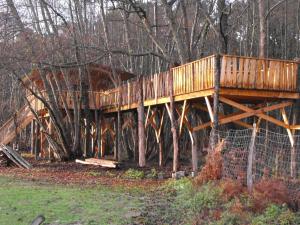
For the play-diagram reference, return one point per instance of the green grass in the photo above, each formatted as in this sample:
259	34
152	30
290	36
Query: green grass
22	201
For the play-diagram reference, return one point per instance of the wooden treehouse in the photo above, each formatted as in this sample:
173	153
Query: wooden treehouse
251	87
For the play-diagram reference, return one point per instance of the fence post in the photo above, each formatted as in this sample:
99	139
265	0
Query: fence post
250	159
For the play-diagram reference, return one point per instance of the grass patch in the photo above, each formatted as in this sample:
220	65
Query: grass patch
134	174
22	201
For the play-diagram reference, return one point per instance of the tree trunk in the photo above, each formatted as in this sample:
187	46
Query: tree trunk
174	125
262	29
141	125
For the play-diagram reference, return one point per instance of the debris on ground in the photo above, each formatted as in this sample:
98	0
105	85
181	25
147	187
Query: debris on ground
99	162
8	154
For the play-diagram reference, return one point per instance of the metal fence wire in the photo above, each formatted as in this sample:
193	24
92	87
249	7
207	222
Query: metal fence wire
272	156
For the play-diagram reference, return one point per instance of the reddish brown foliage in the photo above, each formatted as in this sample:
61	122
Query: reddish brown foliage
269	191
231	188
213	166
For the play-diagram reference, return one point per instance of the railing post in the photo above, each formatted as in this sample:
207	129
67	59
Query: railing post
217	75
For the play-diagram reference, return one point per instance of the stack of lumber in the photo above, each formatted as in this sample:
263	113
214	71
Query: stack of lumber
4	161
14	157
99	162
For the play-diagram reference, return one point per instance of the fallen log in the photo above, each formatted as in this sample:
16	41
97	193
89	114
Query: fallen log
98	162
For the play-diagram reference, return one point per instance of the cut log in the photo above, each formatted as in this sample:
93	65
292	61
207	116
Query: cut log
14	156
99	162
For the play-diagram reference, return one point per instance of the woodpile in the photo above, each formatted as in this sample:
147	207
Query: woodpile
99	162
4	161
8	155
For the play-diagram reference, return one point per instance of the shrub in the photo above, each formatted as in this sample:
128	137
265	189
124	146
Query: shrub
228	218
212	169
275	214
153	173
270	191
134	174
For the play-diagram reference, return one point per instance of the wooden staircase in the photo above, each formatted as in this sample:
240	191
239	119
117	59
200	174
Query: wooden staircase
15	124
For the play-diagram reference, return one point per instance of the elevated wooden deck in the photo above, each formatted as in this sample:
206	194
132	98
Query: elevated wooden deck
242	78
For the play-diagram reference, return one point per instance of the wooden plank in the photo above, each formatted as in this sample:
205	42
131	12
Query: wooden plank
286	121
228	73
209	108
223	71
182	115
246	74
260	74
12	154
252	76
234	72
240	76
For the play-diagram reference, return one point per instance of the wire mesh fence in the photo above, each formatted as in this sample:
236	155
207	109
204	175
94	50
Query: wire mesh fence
274	156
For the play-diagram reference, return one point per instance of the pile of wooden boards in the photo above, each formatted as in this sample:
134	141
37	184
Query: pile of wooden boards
10	155
99	162
4	161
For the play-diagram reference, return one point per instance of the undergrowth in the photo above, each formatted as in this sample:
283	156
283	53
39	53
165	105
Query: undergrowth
134	174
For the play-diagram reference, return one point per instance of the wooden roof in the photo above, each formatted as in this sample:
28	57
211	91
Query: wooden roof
100	77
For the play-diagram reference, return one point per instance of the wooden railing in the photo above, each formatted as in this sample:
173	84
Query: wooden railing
260	74
194	76
188	78
235	72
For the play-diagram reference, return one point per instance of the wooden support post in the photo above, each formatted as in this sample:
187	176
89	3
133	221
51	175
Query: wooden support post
36	143
217	76
160	138
194	143
135	138
50	150
32	136
85	138
115	139
293	169
42	140
251	159
141	125
174	125
99	137
194	152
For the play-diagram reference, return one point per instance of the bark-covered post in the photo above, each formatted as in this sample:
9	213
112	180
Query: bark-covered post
135	138
32	137
296	120
36	142
141	124
99	135
217	75
174	125
51	132
194	142
251	159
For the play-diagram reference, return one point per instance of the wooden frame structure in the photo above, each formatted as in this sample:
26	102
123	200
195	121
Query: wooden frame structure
251	86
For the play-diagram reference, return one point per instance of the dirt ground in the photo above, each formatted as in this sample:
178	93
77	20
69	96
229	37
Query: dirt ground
73	173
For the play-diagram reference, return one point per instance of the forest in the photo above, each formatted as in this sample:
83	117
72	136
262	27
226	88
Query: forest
130	93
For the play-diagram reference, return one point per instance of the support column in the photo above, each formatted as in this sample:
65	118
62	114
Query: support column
36	142
51	131
99	133
141	126
32	136
136	138
115	139
174	125
217	76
